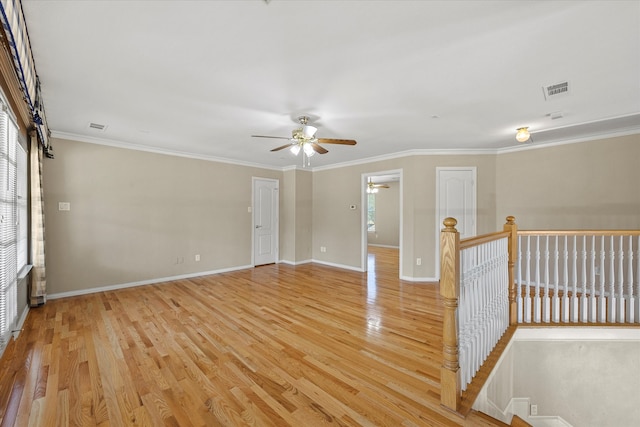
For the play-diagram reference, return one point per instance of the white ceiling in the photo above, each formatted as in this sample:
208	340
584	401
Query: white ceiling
200	77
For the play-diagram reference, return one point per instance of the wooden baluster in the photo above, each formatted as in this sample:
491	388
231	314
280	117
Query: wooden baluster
612	282
584	305
556	281
449	290
602	299
565	292
519	302
466	309
574	280
620	289
630	299
506	288
536	299
637	293
481	312
527	291
546	306
592	281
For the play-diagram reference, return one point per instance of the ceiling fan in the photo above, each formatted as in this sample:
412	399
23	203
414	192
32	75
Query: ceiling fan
373	188
304	139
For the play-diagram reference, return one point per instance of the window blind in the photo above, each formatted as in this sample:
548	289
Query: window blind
22	208
8	227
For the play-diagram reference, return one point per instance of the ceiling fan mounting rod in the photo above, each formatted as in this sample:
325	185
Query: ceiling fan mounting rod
303	120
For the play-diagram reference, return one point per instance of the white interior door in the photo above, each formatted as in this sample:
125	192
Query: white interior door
457	198
265	221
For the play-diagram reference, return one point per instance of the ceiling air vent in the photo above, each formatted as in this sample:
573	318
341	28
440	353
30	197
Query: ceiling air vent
555	90
98	127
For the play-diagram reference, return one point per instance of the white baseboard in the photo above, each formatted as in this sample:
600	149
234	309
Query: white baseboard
419	279
143	282
343	266
284	261
20	323
520	406
383	246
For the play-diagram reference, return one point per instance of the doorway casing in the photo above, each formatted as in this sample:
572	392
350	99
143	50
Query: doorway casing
363	221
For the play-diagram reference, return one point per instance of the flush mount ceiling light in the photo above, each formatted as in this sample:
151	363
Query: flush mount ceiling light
522	134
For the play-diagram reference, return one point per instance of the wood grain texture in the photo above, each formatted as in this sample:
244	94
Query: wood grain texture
276	345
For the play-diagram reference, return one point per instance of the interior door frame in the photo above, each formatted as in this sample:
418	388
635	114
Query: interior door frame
276	225
363	219
439	225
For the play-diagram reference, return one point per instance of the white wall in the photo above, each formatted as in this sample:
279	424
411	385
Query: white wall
588	376
387	231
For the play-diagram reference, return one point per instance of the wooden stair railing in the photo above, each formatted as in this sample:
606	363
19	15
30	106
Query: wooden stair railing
586	277
451	248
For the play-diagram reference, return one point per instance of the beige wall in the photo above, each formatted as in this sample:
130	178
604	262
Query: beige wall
338	228
287	216
593	184
387	216
304	211
135	215
295	216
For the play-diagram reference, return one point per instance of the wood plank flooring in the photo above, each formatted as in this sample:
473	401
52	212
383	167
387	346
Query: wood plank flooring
276	345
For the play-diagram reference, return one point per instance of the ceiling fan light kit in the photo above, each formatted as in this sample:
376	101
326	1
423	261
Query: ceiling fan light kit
295	149
304	140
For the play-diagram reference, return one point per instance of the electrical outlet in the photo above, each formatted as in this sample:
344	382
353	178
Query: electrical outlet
418	261
534	409
323	249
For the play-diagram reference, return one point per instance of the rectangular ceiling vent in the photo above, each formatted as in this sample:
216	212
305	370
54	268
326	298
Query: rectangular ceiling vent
98	127
556	90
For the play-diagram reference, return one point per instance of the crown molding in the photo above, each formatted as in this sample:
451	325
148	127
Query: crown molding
366	160
137	147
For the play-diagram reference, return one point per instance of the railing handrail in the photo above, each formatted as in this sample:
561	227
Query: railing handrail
617	232
470	242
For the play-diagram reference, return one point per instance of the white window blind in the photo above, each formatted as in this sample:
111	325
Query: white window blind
22	206
8	227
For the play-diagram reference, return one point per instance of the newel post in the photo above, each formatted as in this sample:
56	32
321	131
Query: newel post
512	228
449	290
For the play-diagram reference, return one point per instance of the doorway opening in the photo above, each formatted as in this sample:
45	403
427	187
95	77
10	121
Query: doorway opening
382	221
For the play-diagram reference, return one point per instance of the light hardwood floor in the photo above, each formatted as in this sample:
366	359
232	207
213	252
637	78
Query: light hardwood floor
276	345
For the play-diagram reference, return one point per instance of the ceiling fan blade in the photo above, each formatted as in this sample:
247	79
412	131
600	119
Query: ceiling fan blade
274	137
381	186
336	141
318	149
281	147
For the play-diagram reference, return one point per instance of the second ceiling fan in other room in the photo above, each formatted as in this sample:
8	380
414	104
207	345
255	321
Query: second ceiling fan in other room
304	140
372	188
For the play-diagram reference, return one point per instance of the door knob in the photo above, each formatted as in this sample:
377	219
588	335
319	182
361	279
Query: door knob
258	226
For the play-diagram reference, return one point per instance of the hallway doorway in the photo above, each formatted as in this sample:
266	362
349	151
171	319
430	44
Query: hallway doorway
382	219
